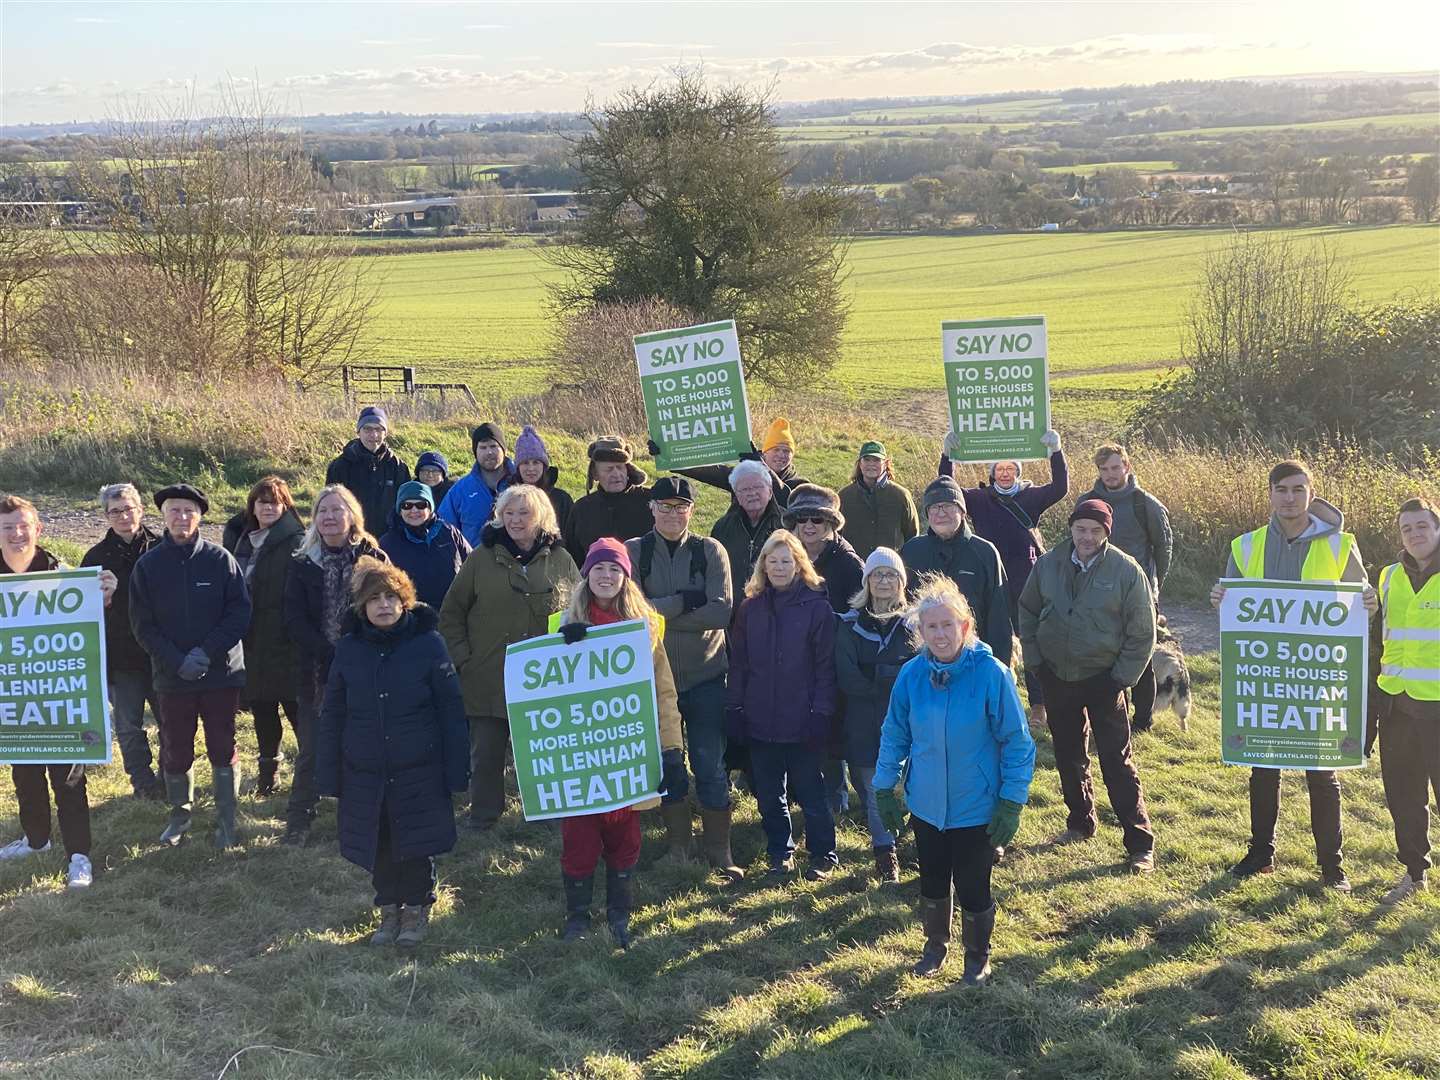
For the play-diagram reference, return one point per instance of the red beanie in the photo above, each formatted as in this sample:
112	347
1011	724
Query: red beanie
1094	510
607	549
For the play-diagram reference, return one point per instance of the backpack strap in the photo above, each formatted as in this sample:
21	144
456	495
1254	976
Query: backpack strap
694	547
647	559
1144	520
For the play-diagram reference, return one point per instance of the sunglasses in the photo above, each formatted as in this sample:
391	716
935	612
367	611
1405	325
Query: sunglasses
414	506
811	521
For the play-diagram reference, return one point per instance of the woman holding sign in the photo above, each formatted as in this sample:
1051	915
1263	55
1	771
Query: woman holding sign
607	594
782	698
956	732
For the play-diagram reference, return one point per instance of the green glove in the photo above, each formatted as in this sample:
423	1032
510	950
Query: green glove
891	812
1005	822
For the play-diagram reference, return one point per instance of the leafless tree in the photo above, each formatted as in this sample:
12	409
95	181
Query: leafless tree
27	258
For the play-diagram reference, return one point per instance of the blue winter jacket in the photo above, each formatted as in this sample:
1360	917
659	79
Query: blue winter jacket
962	747
431	559
470	502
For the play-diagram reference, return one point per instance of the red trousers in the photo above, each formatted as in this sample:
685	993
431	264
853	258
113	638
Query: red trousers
584	839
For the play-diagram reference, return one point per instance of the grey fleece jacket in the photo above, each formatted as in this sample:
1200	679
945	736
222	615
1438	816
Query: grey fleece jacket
695	639
1141	527
1284	558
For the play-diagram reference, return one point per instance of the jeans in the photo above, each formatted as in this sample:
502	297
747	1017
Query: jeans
1410	767
300	810
959	857
777	766
1324	788
864	781
585	837
182	712
72	807
400	881
702	710
129	690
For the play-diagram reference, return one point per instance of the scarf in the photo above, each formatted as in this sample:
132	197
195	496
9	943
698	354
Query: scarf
337	566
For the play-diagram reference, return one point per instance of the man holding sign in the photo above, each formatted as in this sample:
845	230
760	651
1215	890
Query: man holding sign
596	731
1305	541
998	386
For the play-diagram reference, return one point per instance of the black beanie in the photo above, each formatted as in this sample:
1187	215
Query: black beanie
491	431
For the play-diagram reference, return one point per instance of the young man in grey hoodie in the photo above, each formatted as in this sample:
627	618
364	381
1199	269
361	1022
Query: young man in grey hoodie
1304	541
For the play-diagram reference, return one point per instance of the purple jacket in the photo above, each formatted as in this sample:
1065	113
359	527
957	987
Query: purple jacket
990	518
782	666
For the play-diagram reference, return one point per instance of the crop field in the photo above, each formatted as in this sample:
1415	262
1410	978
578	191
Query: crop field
1090	167
1114	301
1396	121
1019	109
847	132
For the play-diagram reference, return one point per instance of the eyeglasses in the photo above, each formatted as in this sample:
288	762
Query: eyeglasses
121	511
414	506
884	575
673	508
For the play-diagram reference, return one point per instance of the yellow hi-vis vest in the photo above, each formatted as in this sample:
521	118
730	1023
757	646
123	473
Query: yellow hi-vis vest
1324	561
1410	662
657	624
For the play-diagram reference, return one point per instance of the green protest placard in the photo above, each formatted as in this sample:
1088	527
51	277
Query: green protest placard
694	391
52	668
583	721
997	383
1294	674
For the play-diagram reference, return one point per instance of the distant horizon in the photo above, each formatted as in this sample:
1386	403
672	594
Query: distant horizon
77	63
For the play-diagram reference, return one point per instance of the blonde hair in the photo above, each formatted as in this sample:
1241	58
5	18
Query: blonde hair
312	543
533	497
630	603
804	568
1106	451
937	590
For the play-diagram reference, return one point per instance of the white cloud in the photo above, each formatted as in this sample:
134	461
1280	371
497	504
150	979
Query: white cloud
648	45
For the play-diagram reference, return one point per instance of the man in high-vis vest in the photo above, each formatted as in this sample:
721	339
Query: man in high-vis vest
1305	541
1406	698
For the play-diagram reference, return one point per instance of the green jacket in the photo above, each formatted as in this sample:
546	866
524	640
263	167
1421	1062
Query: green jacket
694	639
494	602
742	541
1086	623
884	517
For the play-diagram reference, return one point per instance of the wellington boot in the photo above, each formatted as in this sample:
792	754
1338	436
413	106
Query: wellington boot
619	902
180	794
716	830
227	789
678	835
975	930
936	915
579	895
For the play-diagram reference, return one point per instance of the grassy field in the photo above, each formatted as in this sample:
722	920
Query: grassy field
845	132
1019	109
1095	166
188	963
1114	301
1422	120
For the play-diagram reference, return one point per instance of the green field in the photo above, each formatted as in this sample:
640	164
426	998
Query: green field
1395	121
1114	300
848	132
1020	109
1091	167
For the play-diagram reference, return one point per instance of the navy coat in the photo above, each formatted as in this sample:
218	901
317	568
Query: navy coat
868	658
183	596
431	561
392	737
372	478
782	667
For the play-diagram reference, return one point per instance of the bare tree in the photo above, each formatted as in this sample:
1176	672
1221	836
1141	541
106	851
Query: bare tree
27	258
1422	187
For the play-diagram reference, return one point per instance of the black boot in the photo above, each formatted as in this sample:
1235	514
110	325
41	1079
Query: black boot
936	915
975	929
579	894
265	778
619	901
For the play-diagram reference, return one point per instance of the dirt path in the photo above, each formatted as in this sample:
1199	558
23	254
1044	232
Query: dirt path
80	525
1196	625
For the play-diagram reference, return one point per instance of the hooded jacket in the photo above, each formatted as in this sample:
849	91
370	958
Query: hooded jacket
622	515
869	654
1141	527
992	517
974	565
431	557
391	738
372	478
882	516
963	746
271	670
469	504
122	651
782	666
188	595
1284	558
494	601
1085	624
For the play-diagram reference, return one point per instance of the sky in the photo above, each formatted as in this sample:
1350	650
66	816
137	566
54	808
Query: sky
83	61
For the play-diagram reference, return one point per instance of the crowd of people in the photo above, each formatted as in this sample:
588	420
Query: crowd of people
818	643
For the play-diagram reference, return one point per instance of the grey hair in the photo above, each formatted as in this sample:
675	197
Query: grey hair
749	468
111	492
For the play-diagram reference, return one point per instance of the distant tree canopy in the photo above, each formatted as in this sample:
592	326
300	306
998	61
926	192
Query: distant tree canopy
687	203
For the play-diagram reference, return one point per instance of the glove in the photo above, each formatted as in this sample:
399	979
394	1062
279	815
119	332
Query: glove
735	723
951	445
1004	823
891	812
574	632
195	665
674	780
653	447
1051	441
693	598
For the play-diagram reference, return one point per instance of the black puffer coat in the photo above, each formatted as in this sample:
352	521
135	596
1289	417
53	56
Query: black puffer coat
271	666
392	733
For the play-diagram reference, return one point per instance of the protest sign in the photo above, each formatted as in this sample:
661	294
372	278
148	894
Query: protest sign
583	721
1293	674
52	668
997	383
694	391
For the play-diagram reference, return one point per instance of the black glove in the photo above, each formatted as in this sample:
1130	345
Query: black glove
674	780
195	665
573	632
653	447
693	598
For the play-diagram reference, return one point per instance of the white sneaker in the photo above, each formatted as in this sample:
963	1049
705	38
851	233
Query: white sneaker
20	848
1406	887
80	874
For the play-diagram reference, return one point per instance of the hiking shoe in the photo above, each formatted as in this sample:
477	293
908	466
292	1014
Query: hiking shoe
819	871
389	926
80	874
1071	836
1141	862
18	849
781	870
413	921
1405	888
887	867
1335	879
1253	863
